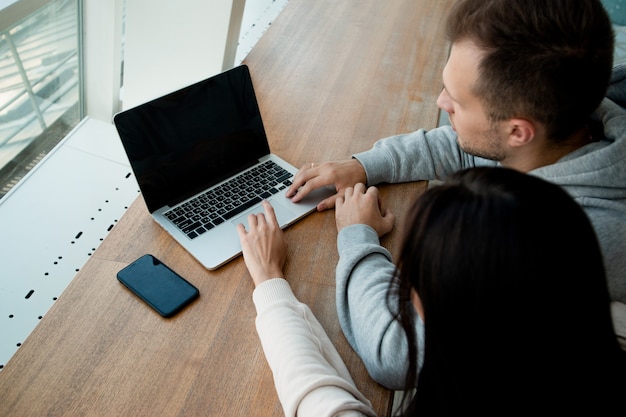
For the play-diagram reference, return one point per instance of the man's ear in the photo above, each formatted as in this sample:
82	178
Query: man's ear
521	132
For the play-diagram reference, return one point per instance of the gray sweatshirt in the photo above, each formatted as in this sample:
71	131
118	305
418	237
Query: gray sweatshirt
594	175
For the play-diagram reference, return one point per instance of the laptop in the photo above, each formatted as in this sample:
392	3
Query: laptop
203	164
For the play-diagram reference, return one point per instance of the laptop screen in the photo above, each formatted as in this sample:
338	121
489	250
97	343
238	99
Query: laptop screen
188	140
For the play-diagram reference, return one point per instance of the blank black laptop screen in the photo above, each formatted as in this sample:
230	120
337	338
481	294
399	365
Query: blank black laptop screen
193	138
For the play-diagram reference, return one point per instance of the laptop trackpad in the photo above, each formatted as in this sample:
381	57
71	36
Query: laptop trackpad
283	214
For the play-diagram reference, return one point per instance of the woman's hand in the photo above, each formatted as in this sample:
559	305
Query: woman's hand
264	245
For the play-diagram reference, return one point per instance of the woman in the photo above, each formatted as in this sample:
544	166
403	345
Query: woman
506	273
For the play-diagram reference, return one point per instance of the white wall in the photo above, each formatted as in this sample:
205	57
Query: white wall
102	51
167	45
170	44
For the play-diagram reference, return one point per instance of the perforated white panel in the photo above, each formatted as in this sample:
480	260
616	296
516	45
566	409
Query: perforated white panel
257	17
53	221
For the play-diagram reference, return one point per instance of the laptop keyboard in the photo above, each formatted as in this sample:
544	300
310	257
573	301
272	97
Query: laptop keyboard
231	198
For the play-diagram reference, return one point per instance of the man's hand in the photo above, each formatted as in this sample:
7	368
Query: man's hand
264	245
362	205
341	174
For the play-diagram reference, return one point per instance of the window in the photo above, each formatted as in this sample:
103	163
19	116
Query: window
40	82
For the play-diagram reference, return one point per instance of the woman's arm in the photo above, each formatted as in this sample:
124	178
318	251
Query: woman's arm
309	375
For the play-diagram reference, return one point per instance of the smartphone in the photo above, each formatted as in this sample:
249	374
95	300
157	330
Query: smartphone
157	285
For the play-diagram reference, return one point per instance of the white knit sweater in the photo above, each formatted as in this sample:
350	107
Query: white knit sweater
310	377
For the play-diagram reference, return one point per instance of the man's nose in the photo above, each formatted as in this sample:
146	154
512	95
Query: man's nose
444	102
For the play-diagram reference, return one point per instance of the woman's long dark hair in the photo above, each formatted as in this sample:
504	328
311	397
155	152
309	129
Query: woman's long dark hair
515	300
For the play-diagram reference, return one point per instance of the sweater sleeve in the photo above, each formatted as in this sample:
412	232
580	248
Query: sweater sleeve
416	156
367	315
310	376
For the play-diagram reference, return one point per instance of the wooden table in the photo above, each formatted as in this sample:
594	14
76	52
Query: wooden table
331	78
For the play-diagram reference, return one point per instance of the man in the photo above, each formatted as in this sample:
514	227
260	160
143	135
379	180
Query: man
520	86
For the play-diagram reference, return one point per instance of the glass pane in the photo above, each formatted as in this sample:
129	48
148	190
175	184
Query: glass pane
39	87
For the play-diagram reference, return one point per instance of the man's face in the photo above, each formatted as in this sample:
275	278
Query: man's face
476	135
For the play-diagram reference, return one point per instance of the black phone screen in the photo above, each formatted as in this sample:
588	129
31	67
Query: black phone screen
159	286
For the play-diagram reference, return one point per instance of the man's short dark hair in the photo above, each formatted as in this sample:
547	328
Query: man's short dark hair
546	60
